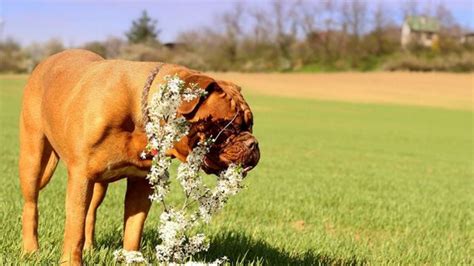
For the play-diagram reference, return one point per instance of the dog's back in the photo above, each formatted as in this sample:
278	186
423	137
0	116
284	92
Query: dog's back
53	77
63	69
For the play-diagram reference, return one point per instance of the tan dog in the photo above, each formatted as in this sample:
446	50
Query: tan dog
88	112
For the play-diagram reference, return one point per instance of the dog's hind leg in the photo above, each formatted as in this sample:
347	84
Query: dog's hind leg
36	165
98	196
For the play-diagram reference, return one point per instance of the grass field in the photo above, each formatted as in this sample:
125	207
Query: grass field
338	183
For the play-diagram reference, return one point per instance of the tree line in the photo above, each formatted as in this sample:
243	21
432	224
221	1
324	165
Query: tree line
301	35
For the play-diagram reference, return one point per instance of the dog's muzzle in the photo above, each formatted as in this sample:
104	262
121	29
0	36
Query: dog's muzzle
241	149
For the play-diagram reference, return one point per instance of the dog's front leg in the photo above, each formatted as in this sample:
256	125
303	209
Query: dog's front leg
137	205
100	189
78	197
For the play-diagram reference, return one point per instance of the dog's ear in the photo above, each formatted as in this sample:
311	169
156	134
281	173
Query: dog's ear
203	82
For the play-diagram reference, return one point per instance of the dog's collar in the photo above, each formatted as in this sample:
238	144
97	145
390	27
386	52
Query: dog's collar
146	91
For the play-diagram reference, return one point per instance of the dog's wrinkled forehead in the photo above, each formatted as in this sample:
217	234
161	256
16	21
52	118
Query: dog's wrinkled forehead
223	102
231	93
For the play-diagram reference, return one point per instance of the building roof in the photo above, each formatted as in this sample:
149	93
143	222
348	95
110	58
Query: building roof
423	23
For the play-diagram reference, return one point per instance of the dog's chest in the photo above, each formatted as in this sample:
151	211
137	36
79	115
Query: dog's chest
111	174
118	156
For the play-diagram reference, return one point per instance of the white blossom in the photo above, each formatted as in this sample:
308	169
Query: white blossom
188	172
217	262
129	257
229	183
163	130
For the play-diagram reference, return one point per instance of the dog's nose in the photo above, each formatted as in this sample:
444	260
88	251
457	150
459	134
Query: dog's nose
251	143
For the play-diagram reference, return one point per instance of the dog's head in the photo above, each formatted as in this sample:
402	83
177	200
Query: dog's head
223	114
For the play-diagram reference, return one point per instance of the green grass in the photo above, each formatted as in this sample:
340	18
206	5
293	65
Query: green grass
338	183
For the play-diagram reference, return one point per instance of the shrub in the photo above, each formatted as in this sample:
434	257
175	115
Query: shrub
143	52
453	62
12	57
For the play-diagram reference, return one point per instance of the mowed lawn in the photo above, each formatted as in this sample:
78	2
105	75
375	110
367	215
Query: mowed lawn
338	183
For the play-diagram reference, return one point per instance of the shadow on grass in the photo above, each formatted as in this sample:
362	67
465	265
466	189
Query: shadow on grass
238	248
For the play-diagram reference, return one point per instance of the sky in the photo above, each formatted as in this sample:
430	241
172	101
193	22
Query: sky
78	21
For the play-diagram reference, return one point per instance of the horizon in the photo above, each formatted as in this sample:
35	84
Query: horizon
81	21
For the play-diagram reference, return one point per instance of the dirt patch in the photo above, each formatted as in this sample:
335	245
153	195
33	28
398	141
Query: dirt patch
299	225
426	89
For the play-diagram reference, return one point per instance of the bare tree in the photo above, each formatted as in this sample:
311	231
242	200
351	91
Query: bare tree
285	24
332	46
307	12
113	47
449	31
354	15
231	22
12	58
319	22
409	8
380	18
380	22
444	16
52	46
262	26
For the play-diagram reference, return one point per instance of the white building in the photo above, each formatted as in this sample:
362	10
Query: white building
421	30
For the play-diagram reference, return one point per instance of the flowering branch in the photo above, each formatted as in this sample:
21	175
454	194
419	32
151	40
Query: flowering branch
163	130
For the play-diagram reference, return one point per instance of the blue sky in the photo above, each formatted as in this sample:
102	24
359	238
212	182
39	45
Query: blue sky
78	21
